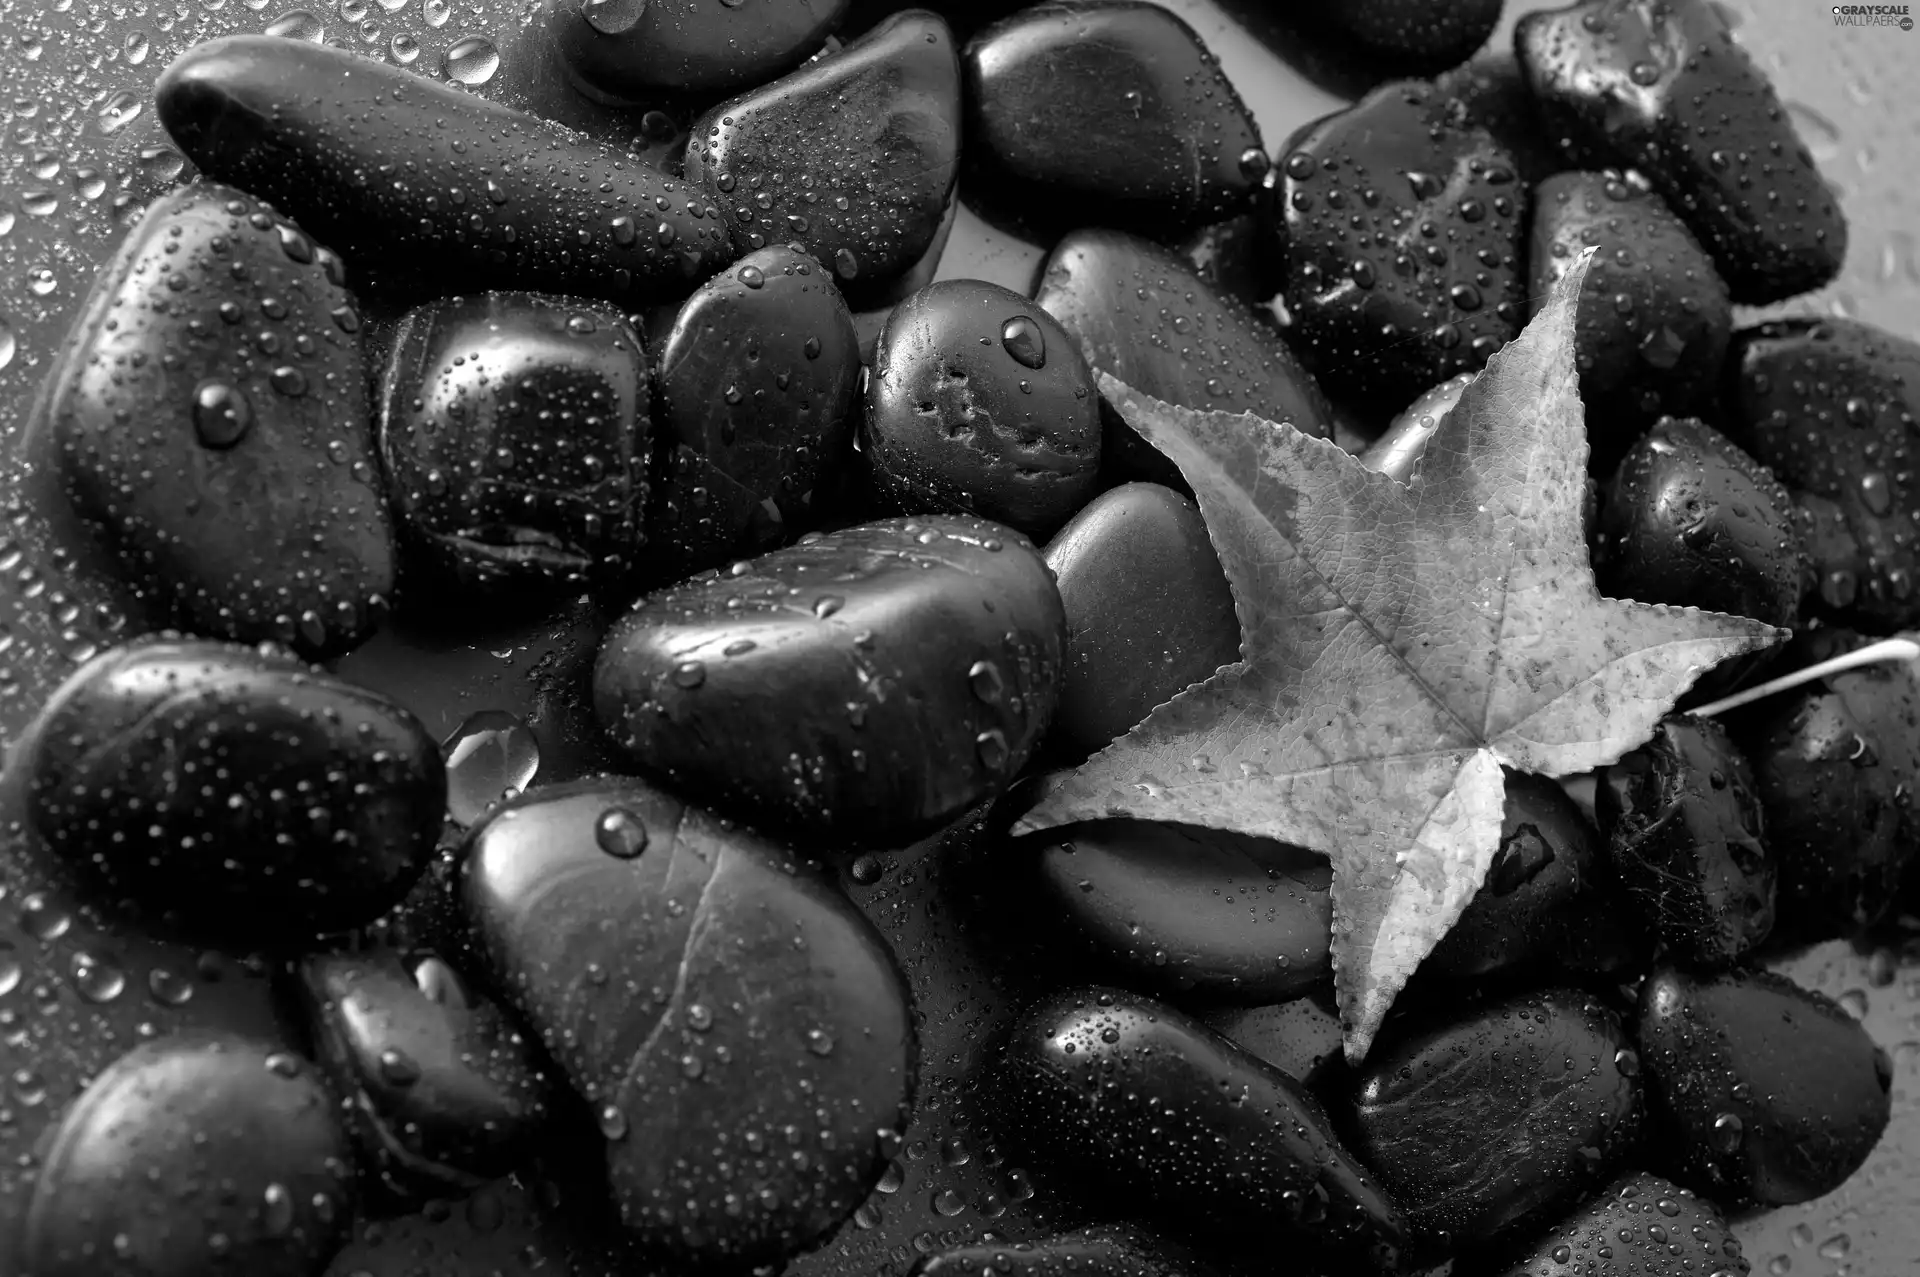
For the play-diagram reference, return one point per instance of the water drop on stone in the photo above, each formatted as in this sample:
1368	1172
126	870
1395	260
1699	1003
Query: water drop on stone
1024	340
865	870
820	1042
489	754
11	970
277	1217
221	414
1728	1131
613	1122
991	746
43	919
472	60
404	48
97	979
688	675
1875	494
620	833
985	679
613	17
752	276
168	988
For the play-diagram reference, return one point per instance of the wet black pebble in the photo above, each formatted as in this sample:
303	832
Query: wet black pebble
890	676
1686	834
257	799
1238	257
513	434
1152	1114
1301	1037
1149	611
1767	1093
1141	314
1665	88
1104	1250
1397	452
494	198
1690	520
1418	35
441	1092
1653	318
1830	406
757	383
1484	1126
1490	93
851	158
1182	910
1641	1226
739	1030
631	51
1403	245
1834	762
208	411
197	1153
1549	903
1114	105
980	403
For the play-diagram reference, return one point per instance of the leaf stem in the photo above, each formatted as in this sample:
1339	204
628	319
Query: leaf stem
1886	650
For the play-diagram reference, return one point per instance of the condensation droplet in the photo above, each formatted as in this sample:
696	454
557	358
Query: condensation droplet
620	833
490	755
471	60
298	24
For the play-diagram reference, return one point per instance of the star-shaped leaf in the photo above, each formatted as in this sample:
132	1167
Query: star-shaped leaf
1401	643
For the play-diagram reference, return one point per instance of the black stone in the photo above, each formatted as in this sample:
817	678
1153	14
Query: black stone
1142	315
1665	89
1156	1116
1690	520
1423	35
1494	1123
1653	318
257	799
1182	910
1301	1038
442	1093
890	676
1149	612
513	433
1397	452
1491	93
1114	105
1237	257
980	403
1767	1093
208	412
851	158
493	198
1641	1226
201	1152
1686	835
1403	245
741	1033
1829	405
1834	763
633	50
1549	903
757	384
1107	1250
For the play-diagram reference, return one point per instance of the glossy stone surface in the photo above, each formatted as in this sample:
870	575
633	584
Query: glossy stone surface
196	1153
980	403
1765	1092
632	50
1046	129
1653	320
1149	611
810	652
757	383
1141	314
1403	245
245	504
1828	404
1667	90
1429	34
1184	910
442	1093
1641	1226
1493	1123
851	157
243	793
1111	1250
1127	1099
519	203
1686	835
773	1022
514	437
1301	1038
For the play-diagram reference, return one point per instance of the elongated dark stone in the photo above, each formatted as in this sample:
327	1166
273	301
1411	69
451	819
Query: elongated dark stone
490	197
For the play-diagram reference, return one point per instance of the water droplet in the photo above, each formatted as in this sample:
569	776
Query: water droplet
42	918
820	1042
11	970
439	982
1728	1131
1425	185
404	48
1644	74
1626	1062
472	60
700	1017
985	679
991	746
97	979
9	344
288	380
41	280
1836	1246
827	604
1025	341
845	264
752	276
488	756
277	1219
168	988
398	1068
613	1122
865	870
436	12
1854	1003
948	1203
613	17
298	24
221	414
1875	494
620	833
688	675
